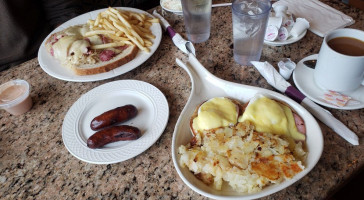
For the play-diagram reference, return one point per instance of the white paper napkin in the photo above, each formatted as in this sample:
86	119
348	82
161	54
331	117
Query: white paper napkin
322	17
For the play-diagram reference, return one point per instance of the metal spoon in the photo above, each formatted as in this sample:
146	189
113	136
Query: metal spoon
310	63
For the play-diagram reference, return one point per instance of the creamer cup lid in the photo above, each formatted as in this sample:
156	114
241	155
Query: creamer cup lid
282	34
17	100
271	33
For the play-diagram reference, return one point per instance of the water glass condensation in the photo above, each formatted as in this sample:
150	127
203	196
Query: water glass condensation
249	23
197	17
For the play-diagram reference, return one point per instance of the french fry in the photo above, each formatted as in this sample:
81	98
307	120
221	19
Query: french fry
97	20
123	27
117	37
110	13
125	14
108	45
142	33
153	20
90	21
148	43
122	19
96	32
137	16
137	36
136	42
119	33
114	19
128	42
134	21
145	30
109	25
147	24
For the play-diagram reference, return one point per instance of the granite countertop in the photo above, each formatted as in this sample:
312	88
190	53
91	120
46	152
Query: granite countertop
34	163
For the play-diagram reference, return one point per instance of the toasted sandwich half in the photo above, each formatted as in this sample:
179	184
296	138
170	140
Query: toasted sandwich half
76	51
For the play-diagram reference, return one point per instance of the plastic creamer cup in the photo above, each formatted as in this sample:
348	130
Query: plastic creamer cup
275	21
280	10
299	27
14	97
286	67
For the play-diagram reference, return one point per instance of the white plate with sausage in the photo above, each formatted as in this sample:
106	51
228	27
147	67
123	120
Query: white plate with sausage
53	67
151	120
206	86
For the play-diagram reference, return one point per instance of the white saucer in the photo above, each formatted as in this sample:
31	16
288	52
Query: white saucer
285	42
303	78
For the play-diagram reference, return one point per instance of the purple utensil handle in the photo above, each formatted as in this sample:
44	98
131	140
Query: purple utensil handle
171	32
294	94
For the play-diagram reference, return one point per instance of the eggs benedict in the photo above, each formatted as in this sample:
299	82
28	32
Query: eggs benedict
246	150
270	116
215	113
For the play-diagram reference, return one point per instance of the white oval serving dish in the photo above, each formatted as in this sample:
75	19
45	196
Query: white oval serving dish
206	86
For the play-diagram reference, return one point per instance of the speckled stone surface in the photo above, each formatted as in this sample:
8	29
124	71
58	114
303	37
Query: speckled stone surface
34	163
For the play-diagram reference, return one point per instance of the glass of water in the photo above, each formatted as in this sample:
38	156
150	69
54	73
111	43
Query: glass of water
197	17
249	23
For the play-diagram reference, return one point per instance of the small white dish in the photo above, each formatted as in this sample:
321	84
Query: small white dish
303	79
206	86
285	42
165	4
152	118
53	67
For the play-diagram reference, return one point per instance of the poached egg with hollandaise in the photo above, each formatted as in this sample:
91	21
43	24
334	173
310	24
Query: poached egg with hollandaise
270	116
214	113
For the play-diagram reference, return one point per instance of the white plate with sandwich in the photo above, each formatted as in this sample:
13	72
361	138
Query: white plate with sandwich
213	162
76	51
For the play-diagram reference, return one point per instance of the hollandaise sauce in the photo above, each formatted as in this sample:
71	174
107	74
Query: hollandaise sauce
216	112
269	116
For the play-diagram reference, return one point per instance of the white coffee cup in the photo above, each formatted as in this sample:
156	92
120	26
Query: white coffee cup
336	71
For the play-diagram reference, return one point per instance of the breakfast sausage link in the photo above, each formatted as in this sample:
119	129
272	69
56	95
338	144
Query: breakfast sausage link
113	134
117	115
